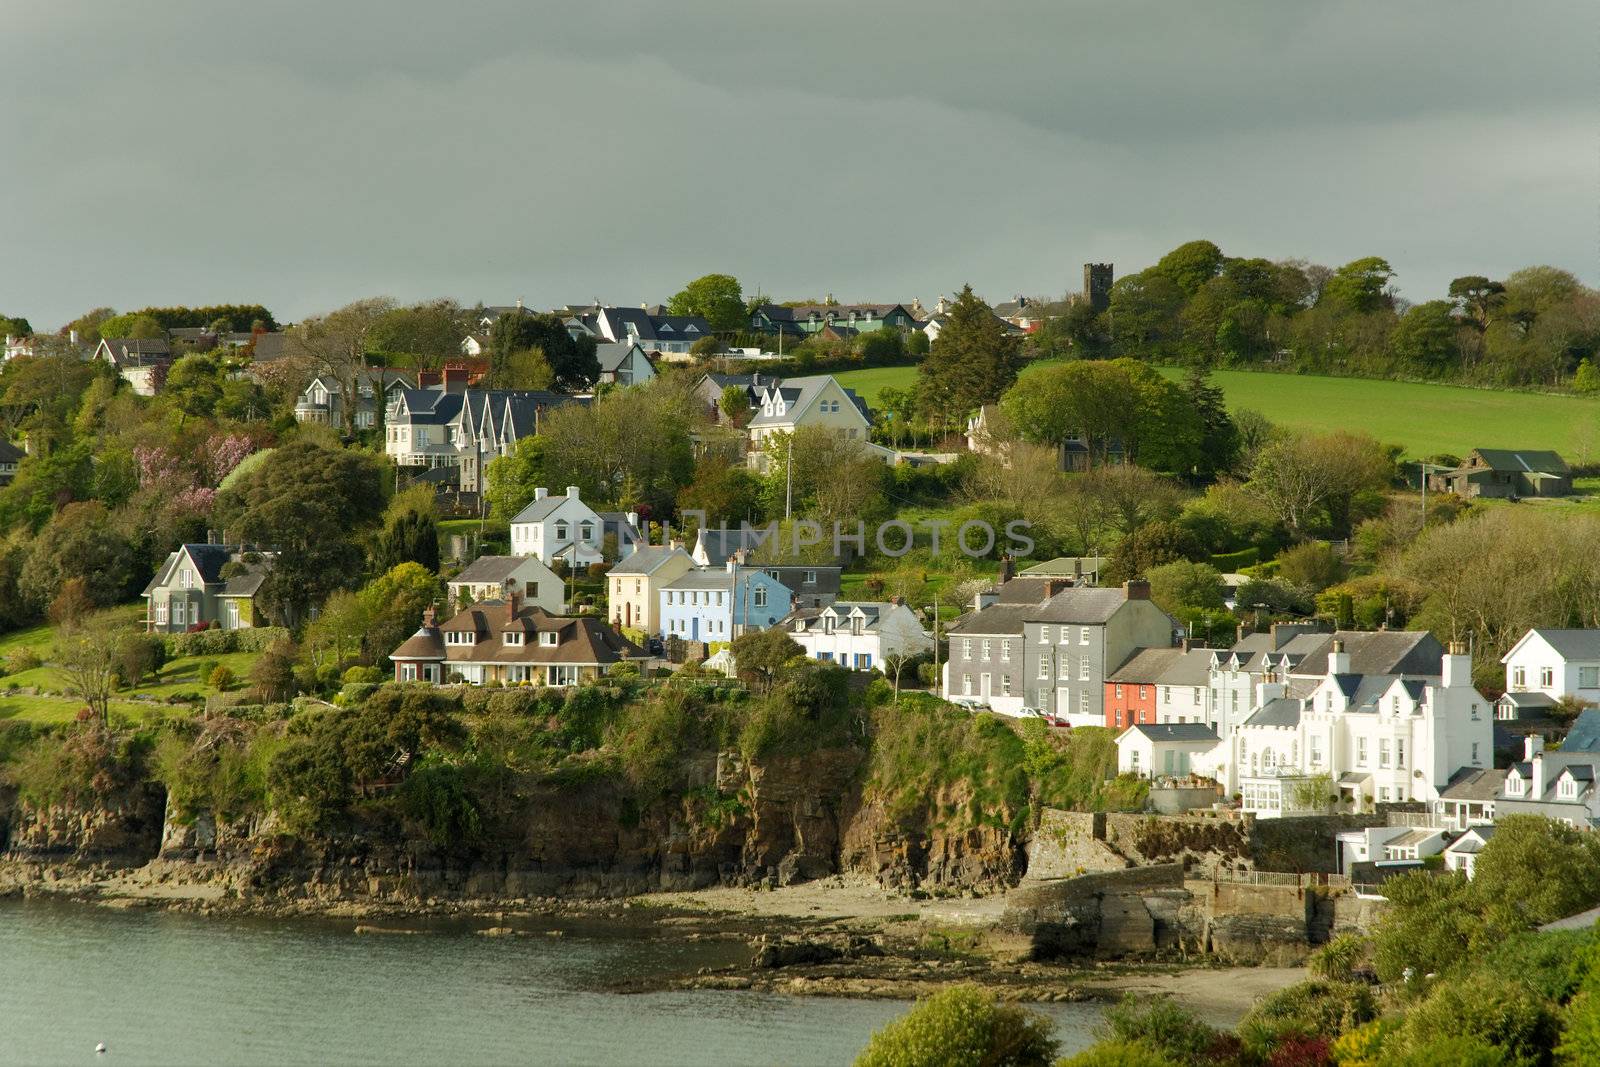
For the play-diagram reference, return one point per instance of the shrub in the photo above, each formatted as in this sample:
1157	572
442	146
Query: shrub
139	656
371	675
1493	1010
599	570
1117	1054
354	693
1309	1009
962	1027
23	659
1337	960
1164	1027
88	762
221	677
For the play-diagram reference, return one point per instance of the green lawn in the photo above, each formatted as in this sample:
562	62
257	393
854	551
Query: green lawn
1424	419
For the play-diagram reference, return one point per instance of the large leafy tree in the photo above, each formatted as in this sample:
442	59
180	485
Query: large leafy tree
630	446
1360	286
1191	265
572	361
973	361
1425	337
1312	480
1120	402
425	334
335	345
309	503
715	297
512	478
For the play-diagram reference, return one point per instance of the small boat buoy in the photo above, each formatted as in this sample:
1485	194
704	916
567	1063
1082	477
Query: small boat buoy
100	1049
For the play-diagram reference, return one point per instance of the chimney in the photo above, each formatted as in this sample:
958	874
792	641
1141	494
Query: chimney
519	303
211	537
1136	589
1537	756
1056	585
572	492
1455	667
72	336
1008	569
1266	691
896	601
513	604
1532	745
430	618
540	493
1338	659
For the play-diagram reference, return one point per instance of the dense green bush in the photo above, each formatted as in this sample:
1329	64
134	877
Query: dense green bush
1164	1028
1494	1009
221	642
218	767
1314	1008
962	1027
78	765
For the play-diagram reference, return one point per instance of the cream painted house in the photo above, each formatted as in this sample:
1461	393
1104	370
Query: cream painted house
634	585
819	400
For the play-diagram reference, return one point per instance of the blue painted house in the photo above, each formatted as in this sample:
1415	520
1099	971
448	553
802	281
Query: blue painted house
718	604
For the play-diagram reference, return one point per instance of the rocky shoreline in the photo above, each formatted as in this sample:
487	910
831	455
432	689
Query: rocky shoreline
832	938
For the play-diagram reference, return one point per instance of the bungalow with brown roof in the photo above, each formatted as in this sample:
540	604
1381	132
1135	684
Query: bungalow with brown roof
511	643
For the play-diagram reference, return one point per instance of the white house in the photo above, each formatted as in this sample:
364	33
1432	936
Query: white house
142	362
1162	750
498	577
1369	738
1555	663
857	634
1462	853
624	363
558	527
818	400
1559	785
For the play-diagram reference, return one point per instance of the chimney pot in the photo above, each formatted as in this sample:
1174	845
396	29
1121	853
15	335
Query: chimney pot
1136	589
1008	569
572	492
540	493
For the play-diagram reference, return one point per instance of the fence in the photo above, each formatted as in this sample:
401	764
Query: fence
1284	879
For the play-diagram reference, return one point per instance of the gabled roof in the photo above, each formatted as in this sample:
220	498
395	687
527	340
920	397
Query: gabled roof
486	569
1522	461
647	560
703	578
1280	711
1001	619
1147	665
1080	605
1570	644
1413	652
1471	784
1192	732
798	395
582	639
720	543
613	354
9	452
1066	566
1584	736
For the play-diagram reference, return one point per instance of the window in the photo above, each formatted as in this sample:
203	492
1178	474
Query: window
1044	635
1589	677
1519	677
230	614
1474	752
1005	651
1083	702
1063	669
809	578
1144	692
161	613
561	531
1400	753
863	661
759	597
966	648
1044	666
966	685
513	638
186	578
1314	750
1083	669
1513	781
1547	677
1383	752
548	639
587	531
1166	694
1083	635
1567	788
1066	636
408	672
1361	752
1005	685
986	649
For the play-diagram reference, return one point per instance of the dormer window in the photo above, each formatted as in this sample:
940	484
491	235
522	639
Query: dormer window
512	638
549	639
1513	785
1567	788
858	626
827	624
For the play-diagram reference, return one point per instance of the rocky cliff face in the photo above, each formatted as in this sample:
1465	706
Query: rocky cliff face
777	822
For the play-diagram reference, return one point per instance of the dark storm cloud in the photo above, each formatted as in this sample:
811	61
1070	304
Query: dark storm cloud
304	154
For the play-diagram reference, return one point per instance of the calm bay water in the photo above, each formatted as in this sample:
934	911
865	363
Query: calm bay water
164	988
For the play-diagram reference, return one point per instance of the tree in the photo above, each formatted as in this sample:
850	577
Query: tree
410	537
1147	548
1360	286
82	544
1309	479
1425	337
963	1026
273	673
393	604
717	298
87	326
972	362
139	655
572	361
309	503
1143	317
86	656
195	384
834	478
630	446
1312	566
1182	584
725	491
734	403
335	346
511	479
1586	379
1191	265
1219	437
760	656
427	334
1477	297
1534	871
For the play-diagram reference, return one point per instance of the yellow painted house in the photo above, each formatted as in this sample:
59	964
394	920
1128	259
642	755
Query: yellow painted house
634	584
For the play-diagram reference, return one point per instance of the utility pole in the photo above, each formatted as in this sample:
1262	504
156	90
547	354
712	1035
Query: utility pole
788	480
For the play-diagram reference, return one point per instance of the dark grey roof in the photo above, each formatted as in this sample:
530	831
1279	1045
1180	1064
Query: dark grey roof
1414	652
1024	589
646	560
1192	668
1147	665
793	576
1280	711
994	619
721	543
1472	784
1177	731
1080	604
486	569
1585	733
1573	644
10	453
1528	700
1066	566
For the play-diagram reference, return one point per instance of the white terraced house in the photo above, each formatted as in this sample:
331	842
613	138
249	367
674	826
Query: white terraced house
1367	738
860	635
1547	665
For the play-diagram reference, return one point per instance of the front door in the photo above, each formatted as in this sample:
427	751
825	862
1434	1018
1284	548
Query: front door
694	628
1063	701
983	686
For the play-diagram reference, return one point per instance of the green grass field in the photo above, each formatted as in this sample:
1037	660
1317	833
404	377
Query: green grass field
1423	419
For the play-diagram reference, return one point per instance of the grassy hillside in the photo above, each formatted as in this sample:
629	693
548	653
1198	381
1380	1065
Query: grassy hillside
1425	419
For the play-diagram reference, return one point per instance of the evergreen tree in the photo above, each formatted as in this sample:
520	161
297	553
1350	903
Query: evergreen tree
572	361
410	537
1219	437
971	363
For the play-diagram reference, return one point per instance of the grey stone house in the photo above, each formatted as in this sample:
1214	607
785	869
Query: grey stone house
988	658
1078	636
204	583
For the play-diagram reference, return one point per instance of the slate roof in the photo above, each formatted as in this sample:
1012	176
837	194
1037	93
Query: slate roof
994	619
268	347
1414	652
707	578
798	393
1080	605
9	452
1584	736
1147	665
1066	566
646	560
1177	731
720	543
583	639
1573	644
612	354
486	569
1025	589
209	561
1280	711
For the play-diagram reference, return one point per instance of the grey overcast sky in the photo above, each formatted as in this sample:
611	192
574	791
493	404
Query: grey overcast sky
303	153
